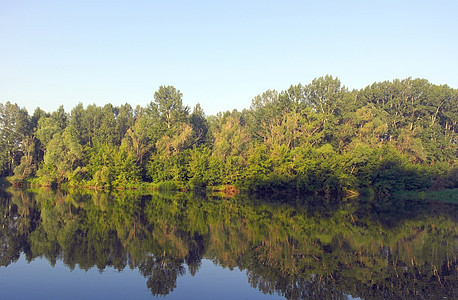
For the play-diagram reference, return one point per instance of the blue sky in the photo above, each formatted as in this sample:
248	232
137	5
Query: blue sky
218	53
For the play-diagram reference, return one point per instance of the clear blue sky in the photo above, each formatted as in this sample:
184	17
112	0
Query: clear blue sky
218	53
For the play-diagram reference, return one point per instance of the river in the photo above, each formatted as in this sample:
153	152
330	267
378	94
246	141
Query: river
127	245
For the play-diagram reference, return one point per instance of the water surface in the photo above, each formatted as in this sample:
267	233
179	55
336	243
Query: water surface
84	244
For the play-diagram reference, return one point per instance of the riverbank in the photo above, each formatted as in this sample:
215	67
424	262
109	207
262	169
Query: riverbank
229	191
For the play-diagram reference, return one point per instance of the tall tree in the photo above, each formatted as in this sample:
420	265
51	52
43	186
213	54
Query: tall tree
325	95
170	105
106	134
14	127
199	125
47	128
124	120
78	122
61	117
28	165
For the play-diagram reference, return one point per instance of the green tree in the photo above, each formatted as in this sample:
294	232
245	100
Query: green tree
28	165
111	166
63	155
268	112
106	133
325	95
199	166
61	117
199	125
14	127
47	128
88	129
79	123
125	119
173	134
170	106
231	138
136	139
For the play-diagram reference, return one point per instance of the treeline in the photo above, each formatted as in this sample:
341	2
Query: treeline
393	135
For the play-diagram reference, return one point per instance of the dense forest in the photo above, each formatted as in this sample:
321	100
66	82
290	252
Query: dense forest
392	135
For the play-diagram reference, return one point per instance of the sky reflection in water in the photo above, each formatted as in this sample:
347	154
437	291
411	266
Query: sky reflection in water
59	282
186	246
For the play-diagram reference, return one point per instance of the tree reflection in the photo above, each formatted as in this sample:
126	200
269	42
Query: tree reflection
162	274
299	249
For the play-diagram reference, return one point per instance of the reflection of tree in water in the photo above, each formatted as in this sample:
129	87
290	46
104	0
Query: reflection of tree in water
162	274
162	271
18	216
392	282
11	241
414	259
196	252
296	287
298	251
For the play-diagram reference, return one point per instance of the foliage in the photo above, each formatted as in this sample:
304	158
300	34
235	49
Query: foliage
315	138
14	127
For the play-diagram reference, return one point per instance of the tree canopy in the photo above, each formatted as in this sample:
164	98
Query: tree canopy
400	134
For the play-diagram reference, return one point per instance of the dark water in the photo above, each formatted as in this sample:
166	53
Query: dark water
83	244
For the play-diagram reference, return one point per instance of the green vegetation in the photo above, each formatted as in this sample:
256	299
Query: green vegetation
318	138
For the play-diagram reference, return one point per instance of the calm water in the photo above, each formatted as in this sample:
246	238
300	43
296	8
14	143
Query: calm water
83	244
